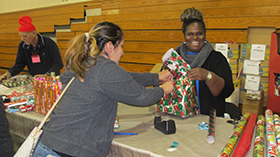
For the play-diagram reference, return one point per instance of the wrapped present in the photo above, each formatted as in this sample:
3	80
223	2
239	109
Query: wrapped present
16	99
183	100
17	81
47	90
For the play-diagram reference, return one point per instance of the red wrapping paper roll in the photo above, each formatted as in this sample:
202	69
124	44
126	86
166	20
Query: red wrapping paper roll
244	143
211	131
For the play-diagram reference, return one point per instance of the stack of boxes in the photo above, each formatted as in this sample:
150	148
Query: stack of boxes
254	61
250	69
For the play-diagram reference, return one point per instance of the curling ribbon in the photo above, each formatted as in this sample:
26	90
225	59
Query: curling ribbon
244	142
211	127
226	152
259	138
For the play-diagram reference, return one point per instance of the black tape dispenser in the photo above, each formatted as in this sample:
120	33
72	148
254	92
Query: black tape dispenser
166	126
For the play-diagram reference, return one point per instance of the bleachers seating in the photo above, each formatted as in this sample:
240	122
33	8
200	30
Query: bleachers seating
150	27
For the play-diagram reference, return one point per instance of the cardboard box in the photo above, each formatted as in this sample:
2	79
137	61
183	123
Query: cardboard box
233	63
242	93
263	67
234	76
233	50
253	105
260	35
245	51
262	86
265	95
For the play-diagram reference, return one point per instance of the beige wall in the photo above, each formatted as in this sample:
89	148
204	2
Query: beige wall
19	5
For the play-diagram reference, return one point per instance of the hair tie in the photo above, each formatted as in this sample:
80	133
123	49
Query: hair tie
87	35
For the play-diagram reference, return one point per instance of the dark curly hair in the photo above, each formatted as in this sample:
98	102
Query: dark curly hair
191	15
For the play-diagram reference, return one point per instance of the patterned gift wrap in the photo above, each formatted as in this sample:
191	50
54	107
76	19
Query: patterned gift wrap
211	130
18	80
46	91
276	121
259	137
183	100
226	152
270	134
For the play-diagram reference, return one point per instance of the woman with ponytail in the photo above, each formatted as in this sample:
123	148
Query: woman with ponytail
82	123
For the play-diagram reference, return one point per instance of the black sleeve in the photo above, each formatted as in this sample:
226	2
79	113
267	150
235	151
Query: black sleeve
6	143
223	70
56	58
19	63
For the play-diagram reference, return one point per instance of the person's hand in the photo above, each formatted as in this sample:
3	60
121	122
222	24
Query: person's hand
165	76
197	74
41	75
5	76
168	87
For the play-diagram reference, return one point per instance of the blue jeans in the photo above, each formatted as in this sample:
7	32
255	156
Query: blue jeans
41	150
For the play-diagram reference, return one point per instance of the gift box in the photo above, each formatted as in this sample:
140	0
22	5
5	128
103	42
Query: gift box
46	91
182	101
18	97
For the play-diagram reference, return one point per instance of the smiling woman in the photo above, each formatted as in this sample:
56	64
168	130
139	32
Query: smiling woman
210	68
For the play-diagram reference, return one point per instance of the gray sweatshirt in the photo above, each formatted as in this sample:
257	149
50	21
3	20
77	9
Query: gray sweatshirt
82	124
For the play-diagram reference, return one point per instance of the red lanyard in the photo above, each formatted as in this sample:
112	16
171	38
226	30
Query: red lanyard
33	53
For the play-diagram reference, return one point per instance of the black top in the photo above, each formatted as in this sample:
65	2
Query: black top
50	58
217	63
6	143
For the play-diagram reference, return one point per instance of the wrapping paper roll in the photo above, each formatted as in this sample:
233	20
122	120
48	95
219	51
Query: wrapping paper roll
226	152
259	138
270	134
244	143
211	127
276	121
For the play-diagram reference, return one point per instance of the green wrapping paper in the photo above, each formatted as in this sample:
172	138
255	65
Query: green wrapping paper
259	137
183	100
226	152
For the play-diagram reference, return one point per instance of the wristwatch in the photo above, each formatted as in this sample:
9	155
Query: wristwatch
209	76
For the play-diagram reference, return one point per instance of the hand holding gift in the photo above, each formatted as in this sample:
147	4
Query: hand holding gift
168	87
182	101
165	76
197	74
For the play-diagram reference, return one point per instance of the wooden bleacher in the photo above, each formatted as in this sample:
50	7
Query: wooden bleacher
150	27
